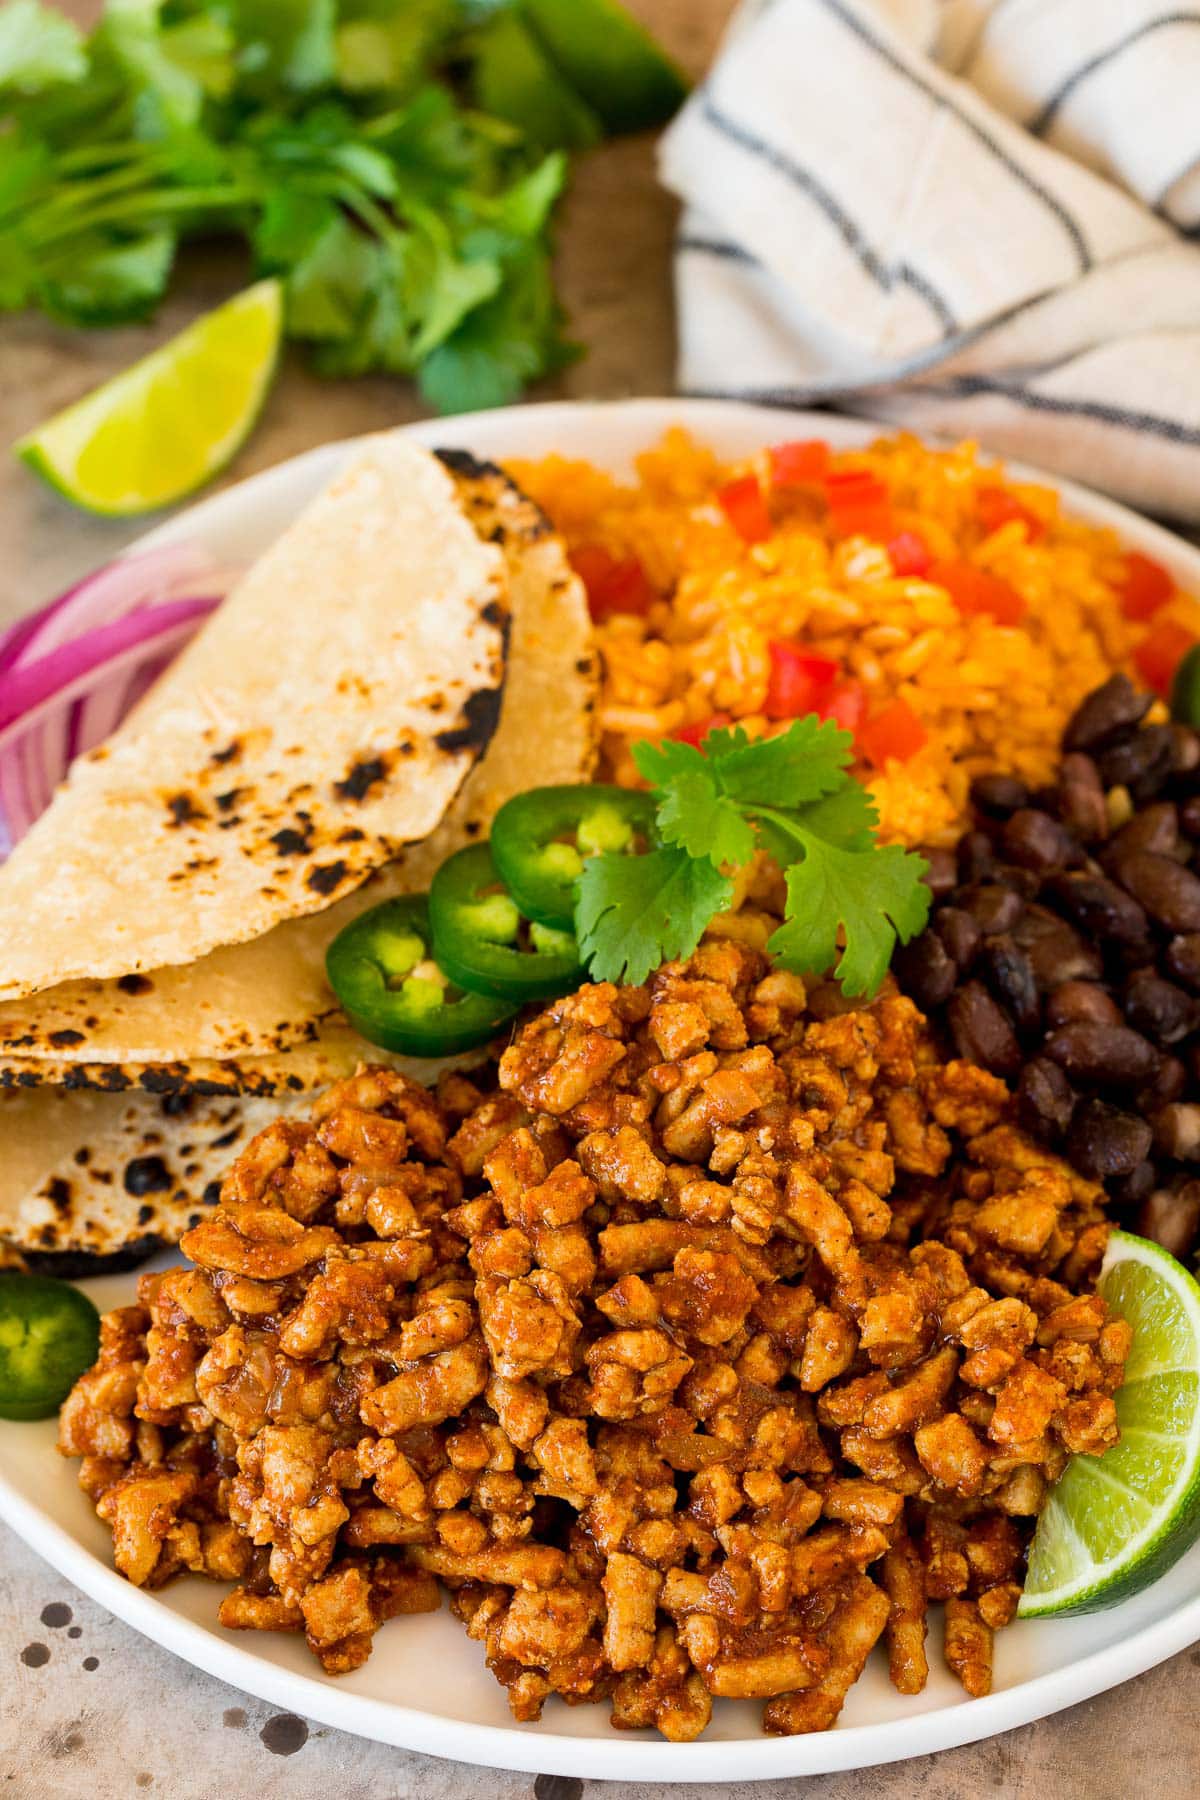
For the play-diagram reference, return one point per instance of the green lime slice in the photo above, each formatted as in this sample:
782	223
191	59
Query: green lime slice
610	59
1114	1523
169	423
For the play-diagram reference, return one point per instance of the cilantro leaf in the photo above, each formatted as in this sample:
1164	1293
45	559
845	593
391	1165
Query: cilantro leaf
510	340
285	43
693	814
803	763
658	760
38	48
633	912
872	896
116	283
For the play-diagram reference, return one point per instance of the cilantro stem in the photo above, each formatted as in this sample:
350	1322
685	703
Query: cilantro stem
782	823
130	208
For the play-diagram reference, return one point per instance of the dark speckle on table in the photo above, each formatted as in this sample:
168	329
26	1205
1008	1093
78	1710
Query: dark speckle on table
558	1787
91	1662
234	1717
34	1656
56	1615
76	1631
143	1779
284	1734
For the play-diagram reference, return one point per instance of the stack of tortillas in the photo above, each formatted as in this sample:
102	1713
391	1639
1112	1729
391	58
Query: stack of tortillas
411	652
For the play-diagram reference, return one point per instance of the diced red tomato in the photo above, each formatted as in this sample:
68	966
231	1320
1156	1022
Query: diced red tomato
976	591
846	706
895	734
613	586
871	520
800	681
997	507
695	734
1160	653
1146	586
909	553
800	463
743	505
854	487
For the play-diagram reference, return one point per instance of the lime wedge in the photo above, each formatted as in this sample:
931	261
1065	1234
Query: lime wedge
610	59
1114	1523
169	423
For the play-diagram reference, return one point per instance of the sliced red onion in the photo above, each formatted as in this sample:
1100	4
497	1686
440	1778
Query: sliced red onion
66	673
72	671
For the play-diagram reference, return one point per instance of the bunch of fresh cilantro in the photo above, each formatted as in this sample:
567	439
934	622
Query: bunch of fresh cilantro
848	897
395	161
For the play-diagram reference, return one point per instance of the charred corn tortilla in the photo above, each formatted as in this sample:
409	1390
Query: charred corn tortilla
333	1053
323	718
243	1004
100	1181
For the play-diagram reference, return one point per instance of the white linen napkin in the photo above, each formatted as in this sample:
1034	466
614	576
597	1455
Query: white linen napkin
970	217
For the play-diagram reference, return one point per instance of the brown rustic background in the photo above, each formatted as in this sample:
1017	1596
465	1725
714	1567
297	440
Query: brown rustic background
90	1711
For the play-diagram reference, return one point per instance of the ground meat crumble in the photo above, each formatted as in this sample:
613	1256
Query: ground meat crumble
725	1332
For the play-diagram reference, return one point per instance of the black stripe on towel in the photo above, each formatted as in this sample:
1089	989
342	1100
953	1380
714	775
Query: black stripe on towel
1125	418
847	229
721	248
1049	201
1062	94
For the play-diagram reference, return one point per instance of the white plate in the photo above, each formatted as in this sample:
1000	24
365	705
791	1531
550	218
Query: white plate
425	1686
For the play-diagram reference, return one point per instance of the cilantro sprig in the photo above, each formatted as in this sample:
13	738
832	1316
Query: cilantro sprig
849	898
396	162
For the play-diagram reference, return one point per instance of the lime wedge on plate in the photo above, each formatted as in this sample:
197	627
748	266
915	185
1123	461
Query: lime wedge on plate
1113	1523
169	423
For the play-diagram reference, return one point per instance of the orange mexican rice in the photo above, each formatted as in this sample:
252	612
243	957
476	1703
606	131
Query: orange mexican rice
956	618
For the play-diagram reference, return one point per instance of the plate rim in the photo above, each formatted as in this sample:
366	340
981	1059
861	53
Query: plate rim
622	1756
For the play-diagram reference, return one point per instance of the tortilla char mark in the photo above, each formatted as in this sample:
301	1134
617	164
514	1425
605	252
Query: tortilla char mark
477	722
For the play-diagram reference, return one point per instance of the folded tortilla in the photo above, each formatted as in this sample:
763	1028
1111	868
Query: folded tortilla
244	1003
90	1182
323	718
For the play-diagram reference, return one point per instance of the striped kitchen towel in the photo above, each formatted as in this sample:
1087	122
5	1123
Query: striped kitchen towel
972	217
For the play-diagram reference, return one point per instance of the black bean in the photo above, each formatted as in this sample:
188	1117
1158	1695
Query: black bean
1106	712
1182	960
1104	1142
1177	1131
1189	816
1169	1083
1081	799
1185	748
960	933
976	858
1085	1001
1155	827
993	908
1034	840
1131	1189
1168	892
1008	972
1171	1215
1056	952
1104	1056
1025	882
942	874
998	795
1045	1098
1142	764
1158	1008
926	970
982	1032
1101	909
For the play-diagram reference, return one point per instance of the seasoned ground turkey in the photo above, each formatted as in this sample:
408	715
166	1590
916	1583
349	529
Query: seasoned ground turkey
722	1335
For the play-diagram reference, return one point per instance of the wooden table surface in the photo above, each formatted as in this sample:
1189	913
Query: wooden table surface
87	1708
